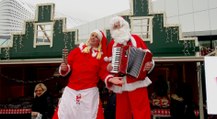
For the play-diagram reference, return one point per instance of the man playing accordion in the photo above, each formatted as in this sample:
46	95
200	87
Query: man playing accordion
132	95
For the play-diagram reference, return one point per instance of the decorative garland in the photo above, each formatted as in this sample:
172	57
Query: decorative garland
26	82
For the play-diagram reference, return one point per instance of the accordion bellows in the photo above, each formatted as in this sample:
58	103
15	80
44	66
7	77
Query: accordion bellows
129	60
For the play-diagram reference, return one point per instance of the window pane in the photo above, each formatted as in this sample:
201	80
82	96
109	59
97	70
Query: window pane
41	28
141	27
44	34
40	34
39	39
136	22
48	27
48	33
136	29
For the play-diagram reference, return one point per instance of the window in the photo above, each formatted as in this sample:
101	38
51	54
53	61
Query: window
142	26
43	34
208	47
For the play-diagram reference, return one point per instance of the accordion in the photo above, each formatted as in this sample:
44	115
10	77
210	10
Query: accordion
128	60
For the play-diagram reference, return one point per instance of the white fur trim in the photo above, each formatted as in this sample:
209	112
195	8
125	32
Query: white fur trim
131	86
133	41
81	46
153	62
93	53
69	69
106	59
106	79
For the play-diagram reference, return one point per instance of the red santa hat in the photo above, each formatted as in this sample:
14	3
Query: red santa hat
103	43
99	33
120	30
121	20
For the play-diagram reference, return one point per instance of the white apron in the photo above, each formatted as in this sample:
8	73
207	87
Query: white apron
82	104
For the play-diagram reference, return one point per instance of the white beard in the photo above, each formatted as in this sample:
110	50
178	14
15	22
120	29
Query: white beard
121	36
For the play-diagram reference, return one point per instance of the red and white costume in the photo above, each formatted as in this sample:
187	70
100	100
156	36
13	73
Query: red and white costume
132	96
130	83
80	99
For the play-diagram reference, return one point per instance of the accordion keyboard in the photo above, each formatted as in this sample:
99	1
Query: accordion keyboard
116	52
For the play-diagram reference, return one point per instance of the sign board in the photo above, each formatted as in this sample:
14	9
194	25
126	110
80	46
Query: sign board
211	83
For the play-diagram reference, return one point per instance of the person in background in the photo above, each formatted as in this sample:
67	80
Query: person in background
80	98
109	110
160	96
132	96
42	107
182	106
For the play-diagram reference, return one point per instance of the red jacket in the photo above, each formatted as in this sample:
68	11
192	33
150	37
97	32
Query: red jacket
86	70
130	82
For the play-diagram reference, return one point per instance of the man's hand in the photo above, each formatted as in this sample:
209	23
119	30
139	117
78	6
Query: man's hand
148	66
116	80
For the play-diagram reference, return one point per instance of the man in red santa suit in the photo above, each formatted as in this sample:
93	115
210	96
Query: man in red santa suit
132	96
80	98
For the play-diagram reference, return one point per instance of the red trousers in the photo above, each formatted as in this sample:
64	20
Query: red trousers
133	104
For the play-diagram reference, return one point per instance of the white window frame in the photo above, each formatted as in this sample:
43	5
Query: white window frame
45	34
143	27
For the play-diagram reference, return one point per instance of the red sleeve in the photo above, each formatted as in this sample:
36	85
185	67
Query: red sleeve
72	55
109	55
70	58
104	74
140	42
110	45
